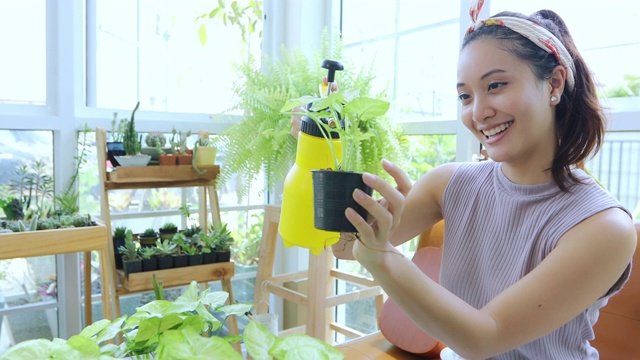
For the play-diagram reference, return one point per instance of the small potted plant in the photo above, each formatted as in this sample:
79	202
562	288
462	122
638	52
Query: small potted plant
149	259
208	241
178	143
165	250
179	257
148	237
132	142
223	242
119	234
204	153
115	146
131	261
194	255
167	230
155	142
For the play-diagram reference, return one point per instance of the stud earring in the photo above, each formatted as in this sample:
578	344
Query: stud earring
554	99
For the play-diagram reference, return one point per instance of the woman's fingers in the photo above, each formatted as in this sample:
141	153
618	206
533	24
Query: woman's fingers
403	183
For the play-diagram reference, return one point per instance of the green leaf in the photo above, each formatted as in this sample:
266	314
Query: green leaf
366	108
259	340
306	346
188	344
41	349
87	347
95	328
215	299
110	331
238	309
148	332
202	35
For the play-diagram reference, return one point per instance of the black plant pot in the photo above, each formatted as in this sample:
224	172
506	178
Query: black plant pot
209	258
165	262
115	148
150	264
332	195
132	266
195	259
223	256
180	261
117	243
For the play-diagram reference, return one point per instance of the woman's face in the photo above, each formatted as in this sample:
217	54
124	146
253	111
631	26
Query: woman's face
504	105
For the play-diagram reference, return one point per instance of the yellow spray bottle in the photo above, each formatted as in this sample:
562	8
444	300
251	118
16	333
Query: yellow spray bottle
313	153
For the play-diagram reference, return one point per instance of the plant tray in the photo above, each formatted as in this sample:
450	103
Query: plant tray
124	174
143	281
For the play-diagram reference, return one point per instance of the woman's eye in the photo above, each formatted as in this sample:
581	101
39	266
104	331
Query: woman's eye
463	97
496	85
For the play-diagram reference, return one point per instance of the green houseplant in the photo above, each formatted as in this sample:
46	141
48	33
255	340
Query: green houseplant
132	143
149	259
352	117
204	153
165	250
130	256
262	139
119	234
178	143
148	237
167	230
182	329
223	241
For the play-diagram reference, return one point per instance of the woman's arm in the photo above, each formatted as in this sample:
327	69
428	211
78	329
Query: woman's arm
581	269
422	208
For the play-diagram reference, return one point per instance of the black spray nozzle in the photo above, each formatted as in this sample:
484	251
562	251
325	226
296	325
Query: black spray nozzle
332	66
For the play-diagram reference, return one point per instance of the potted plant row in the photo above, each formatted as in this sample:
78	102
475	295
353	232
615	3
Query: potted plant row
189	247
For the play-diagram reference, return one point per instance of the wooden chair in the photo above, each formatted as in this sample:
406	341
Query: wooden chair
319	298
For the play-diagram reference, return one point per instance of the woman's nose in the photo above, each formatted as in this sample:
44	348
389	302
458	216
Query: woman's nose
482	109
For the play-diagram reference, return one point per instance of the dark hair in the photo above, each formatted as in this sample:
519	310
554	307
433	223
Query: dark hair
580	122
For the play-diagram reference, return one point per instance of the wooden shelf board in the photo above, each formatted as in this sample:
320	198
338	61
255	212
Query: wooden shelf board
56	241
154	176
143	281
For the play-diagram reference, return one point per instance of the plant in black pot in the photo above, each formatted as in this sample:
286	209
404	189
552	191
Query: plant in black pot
165	250
167	230
149	259
351	118
131	261
179	257
223	241
207	246
194	255
119	234
148	237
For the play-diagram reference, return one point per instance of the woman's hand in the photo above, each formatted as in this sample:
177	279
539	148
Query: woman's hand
384	215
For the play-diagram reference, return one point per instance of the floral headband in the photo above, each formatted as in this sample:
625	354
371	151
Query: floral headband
530	30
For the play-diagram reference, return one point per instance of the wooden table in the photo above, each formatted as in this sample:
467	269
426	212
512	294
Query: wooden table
64	241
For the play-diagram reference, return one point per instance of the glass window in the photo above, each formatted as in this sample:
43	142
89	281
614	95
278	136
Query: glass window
24	59
26	189
414	49
610	51
151	51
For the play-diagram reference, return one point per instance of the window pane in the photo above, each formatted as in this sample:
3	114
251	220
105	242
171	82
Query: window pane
612	51
23	63
150	51
617	166
414	56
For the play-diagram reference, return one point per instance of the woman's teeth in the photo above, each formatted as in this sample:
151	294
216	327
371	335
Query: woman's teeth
497	129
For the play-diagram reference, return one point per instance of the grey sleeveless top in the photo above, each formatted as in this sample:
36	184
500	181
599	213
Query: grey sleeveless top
497	231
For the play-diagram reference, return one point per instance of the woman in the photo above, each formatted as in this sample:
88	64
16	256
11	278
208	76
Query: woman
533	246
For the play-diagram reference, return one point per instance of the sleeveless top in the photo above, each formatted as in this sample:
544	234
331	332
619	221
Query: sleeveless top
497	231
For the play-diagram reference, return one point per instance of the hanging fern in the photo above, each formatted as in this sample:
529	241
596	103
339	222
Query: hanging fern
262	139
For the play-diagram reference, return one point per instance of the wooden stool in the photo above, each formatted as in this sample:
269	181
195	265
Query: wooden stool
320	297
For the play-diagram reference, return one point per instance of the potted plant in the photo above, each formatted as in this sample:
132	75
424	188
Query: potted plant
204	153
119	234
149	259
132	142
148	237
167	230
350	116
155	142
262	140
208	241
194	255
178	143
165	250
131	262
223	241
179	257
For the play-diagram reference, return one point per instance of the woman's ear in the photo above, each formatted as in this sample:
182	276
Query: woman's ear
557	81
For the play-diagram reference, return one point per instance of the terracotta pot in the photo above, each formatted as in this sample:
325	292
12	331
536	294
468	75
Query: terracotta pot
167	160
183	159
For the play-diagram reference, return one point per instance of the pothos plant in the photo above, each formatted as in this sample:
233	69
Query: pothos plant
360	122
182	329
